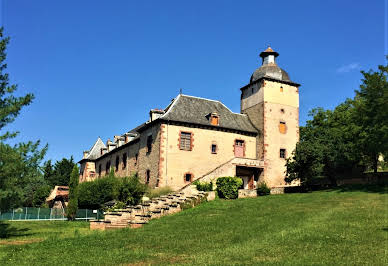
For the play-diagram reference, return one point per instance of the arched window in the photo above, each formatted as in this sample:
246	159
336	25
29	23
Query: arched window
117	163
124	160
107	167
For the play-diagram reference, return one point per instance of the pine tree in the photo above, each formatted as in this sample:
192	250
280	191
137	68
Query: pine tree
72	207
19	164
10	105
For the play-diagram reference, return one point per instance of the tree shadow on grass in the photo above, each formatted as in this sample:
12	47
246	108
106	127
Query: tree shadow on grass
7	231
381	189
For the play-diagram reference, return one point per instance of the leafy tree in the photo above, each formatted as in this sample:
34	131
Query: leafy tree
73	194
372	114
337	143
19	164
327	147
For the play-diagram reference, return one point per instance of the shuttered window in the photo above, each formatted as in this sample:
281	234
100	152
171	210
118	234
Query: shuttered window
214	120
185	141
282	127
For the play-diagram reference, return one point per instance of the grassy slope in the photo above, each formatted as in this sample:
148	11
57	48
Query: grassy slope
315	228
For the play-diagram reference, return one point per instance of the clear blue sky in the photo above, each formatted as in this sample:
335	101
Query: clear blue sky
97	67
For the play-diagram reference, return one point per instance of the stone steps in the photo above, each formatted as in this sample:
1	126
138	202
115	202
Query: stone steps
137	216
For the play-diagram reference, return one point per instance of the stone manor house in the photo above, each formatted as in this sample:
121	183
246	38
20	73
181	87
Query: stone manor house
196	138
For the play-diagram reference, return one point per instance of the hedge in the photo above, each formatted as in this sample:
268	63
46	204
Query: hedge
227	187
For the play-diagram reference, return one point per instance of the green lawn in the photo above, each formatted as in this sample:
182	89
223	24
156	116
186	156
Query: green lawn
331	228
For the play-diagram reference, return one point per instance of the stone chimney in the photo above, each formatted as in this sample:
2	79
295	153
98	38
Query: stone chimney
86	153
119	140
110	145
129	136
155	114
103	150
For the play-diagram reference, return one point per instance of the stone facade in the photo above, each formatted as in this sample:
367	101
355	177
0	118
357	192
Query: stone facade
201	139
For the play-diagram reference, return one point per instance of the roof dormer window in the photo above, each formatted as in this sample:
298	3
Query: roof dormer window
214	119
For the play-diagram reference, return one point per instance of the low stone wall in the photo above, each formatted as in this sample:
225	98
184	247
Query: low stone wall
247	193
277	190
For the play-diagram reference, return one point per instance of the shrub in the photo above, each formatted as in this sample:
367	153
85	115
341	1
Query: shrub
93	194
157	192
130	190
263	189
227	187
204	186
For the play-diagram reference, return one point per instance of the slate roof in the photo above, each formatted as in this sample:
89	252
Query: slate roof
95	151
195	110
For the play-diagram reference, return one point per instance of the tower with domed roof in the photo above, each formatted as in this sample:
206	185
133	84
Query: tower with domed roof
271	101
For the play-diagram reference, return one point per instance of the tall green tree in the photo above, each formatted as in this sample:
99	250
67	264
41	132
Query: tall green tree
59	174
19	164
72	207
371	104
10	105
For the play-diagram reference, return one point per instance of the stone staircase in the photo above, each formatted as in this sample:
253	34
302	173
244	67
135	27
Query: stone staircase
226	169
137	216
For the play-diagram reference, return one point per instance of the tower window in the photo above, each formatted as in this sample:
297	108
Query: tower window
136	158
124	160
283	153
282	127
214	148
281	89
185	141
188	177
149	143
282	111
99	170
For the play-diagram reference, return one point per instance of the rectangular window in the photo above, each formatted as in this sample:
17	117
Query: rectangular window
149	143
283	153
214	148
282	127
185	141
136	157
239	148
99	170
148	177
214	120
188	177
